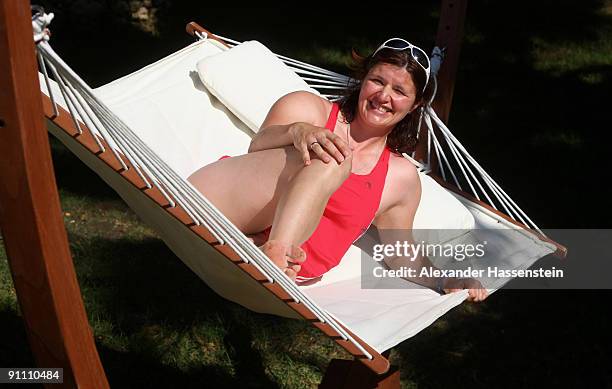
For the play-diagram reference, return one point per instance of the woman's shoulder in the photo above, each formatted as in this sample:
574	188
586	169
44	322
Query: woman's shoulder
303	106
304	99
401	169
402	176
402	187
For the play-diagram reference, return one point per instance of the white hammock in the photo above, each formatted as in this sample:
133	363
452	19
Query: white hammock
164	122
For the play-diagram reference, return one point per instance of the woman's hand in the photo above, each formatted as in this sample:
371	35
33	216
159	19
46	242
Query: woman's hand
476	291
320	141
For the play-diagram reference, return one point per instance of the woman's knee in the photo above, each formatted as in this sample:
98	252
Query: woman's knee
205	178
331	174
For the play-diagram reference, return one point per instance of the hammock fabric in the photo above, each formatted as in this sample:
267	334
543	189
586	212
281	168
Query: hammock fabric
174	118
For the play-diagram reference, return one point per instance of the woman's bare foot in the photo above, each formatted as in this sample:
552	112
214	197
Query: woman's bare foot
287	257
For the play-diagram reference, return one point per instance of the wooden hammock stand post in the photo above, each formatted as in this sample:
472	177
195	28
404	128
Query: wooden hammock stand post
31	218
38	250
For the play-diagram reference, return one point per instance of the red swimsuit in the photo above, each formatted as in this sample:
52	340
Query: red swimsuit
348	214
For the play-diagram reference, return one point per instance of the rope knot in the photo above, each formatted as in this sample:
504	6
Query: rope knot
40	21
202	35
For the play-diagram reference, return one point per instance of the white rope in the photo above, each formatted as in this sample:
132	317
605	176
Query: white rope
81	108
322	76
332	97
328	82
327	87
460	160
441	156
316	69
202	35
440	151
67	99
292	63
228	40
490	182
41	61
452	143
464	166
421	167
69	75
460	155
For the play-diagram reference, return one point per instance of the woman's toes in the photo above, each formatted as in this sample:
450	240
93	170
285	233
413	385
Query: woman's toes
276	252
295	268
292	274
287	257
296	254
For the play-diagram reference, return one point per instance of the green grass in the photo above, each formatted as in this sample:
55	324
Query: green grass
8	299
588	58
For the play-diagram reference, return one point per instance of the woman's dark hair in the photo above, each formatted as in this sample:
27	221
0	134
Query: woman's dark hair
403	137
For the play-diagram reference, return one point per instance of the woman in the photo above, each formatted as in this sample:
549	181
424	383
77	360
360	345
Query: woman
317	174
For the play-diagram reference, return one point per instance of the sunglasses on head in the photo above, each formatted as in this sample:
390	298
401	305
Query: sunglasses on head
416	52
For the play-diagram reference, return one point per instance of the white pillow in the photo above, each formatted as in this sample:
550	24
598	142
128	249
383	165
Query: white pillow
440	213
248	79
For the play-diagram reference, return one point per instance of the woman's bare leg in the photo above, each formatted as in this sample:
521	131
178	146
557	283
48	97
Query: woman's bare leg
272	187
301	204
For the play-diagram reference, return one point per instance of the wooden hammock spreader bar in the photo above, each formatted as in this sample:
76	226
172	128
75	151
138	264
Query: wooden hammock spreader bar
31	218
63	120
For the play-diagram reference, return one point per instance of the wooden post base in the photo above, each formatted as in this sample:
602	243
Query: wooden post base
342	373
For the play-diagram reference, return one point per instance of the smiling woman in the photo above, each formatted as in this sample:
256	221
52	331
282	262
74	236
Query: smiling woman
320	173
400	65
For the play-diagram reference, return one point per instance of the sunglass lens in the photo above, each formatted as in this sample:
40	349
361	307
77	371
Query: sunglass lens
421	57
396	44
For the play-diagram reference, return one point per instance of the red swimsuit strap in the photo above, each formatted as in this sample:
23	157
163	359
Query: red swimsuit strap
331	124
333	117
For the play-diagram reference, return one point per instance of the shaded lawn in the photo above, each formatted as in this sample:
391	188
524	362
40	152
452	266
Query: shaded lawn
535	89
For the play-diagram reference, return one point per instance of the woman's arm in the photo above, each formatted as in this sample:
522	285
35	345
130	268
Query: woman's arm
289	112
298	119
395	225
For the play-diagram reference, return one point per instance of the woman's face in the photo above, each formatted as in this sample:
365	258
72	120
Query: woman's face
387	95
